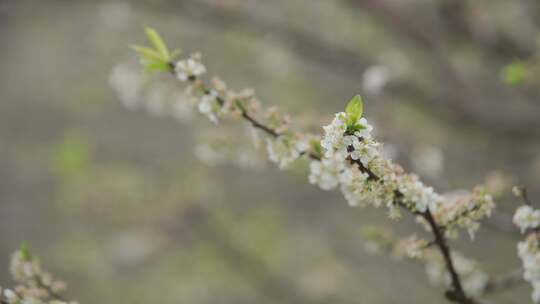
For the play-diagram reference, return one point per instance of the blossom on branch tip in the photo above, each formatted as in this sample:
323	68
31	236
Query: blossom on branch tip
191	67
526	217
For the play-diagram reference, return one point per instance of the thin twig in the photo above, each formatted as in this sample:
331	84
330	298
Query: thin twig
457	294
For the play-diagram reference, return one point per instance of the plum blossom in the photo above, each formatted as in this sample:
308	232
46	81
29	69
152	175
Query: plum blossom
191	67
526	217
528	251
209	106
283	150
325	173
34	285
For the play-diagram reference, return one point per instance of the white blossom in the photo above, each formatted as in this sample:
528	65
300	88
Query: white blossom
366	128
333	135
353	186
209	106
192	67
526	217
375	78
528	251
127	84
418	195
325	173
282	151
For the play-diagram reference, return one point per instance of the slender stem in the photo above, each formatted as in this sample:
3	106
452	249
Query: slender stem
259	125
525	196
457	294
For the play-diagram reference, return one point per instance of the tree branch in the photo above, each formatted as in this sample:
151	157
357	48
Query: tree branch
457	294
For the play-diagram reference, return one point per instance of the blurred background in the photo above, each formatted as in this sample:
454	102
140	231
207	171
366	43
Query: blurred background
129	207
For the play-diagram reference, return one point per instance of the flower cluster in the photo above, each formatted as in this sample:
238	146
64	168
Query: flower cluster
285	149
349	152
219	101
337	139
526	217
191	67
128	85
353	160
529	252
464	210
364	175
33	284
418	196
326	173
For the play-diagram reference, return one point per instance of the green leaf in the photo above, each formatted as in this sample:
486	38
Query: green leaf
316	148
514	73
354	110
157	42
147	53
157	66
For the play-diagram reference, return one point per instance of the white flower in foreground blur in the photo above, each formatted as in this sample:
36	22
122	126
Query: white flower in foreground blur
526	217
208	105
375	78
185	69
127	83
10	295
